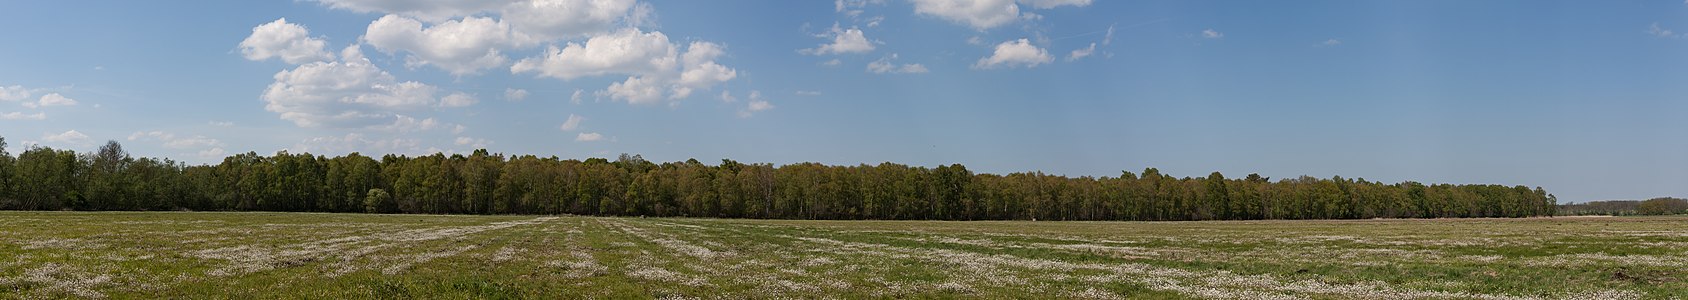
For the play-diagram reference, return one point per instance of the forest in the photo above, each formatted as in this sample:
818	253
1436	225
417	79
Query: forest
42	178
1655	206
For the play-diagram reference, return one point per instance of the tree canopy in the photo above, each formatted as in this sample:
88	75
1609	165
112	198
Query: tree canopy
43	178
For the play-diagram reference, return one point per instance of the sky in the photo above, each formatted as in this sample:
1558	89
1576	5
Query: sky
1583	98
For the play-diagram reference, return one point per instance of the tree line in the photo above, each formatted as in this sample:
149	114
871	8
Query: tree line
1655	206
43	178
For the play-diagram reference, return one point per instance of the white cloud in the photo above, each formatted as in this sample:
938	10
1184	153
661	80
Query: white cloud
403	123
979	14
759	105
431	10
21	116
1047	4
728	97
808	93
700	70
1657	31
13	93
634	90
476	143
1081	53
1017	53
220	123
832	63
73	137
874	21
576	97
349	93
53	99
1209	33
458	100
982	15
461	47
554	19
279	39
653	65
213	153
844	41
588	137
458	129
755	104
513	94
572	123
1108	38
628	51
886	65
1330	42
172	141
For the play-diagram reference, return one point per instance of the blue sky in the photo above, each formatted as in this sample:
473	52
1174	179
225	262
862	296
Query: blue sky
1584	98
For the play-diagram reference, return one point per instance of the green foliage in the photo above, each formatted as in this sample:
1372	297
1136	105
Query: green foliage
485	183
1663	206
376	201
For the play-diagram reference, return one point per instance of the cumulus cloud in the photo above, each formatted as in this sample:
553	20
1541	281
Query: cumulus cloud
654	66
554	19
635	90
21	116
513	94
979	14
986	14
572	123
458	100
279	39
72	137
461	47
887	65
403	123
170	140
13	93
52	99
1081	53
431	10
351	92
477	143
545	19
1330	42
844	41
699	70
755	104
1209	33
588	137
628	51
1016	53
213	153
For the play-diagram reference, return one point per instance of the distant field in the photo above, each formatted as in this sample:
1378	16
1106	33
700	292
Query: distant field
325	256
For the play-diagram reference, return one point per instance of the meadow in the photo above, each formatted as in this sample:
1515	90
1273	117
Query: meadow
325	256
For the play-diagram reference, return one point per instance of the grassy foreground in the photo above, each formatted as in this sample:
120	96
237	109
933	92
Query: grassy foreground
327	256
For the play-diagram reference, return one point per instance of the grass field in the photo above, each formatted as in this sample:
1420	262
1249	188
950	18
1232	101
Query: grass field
325	256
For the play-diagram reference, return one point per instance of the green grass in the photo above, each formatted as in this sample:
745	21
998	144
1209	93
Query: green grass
328	256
